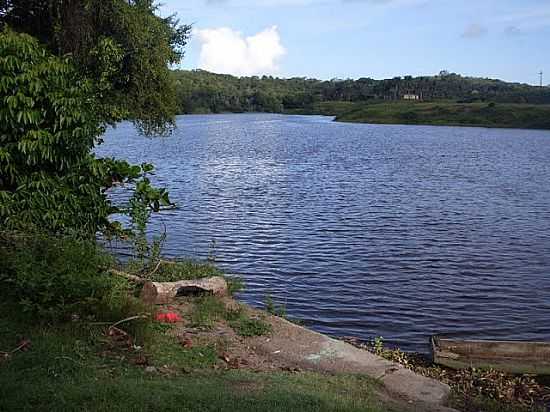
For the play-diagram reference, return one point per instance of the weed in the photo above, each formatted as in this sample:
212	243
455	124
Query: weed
212	252
378	345
273	309
248	327
207	310
241	323
235	285
269	305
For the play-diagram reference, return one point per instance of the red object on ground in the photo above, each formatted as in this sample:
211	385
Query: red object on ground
170	317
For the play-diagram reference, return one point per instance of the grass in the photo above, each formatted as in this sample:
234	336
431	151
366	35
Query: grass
449	113
173	270
250	326
67	368
208	310
163	350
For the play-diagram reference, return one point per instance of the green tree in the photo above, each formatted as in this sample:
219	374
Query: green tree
94	63
49	124
122	45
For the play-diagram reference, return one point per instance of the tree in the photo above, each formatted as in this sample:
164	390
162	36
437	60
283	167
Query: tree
122	45
49	123
82	65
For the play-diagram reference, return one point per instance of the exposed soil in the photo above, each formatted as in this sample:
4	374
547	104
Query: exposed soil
234	351
280	350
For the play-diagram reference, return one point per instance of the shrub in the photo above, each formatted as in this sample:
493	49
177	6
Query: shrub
49	123
246	326
56	278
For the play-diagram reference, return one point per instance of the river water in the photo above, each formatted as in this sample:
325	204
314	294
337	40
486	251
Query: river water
364	230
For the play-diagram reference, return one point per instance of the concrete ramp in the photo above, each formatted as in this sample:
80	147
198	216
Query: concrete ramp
309	350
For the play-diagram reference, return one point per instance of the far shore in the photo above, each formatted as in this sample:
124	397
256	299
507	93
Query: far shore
434	113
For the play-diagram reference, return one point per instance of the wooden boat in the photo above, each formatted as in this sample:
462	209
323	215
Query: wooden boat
507	356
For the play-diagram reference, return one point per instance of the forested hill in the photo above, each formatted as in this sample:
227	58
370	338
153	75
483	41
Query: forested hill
199	91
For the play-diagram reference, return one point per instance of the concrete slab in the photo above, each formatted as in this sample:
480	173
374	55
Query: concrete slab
309	350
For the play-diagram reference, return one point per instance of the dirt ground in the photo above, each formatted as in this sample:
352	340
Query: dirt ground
283	349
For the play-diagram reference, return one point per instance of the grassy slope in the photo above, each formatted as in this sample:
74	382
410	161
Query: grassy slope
64	370
449	113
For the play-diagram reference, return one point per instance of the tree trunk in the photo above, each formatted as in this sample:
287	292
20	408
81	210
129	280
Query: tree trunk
159	293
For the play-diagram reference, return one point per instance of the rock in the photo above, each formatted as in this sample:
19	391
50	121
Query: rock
150	369
159	293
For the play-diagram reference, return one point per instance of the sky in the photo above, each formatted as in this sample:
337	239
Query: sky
325	39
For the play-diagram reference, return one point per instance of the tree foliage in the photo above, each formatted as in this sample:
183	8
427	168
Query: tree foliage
199	91
49	124
122	45
69	68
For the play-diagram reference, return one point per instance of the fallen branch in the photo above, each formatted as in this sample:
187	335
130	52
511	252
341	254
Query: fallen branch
114	325
128	276
23	345
155	269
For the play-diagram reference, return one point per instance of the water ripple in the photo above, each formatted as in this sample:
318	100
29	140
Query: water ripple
366	230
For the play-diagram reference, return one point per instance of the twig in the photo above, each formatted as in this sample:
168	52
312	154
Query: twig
23	344
114	325
155	269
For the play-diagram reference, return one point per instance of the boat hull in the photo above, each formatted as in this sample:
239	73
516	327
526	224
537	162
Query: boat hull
506	356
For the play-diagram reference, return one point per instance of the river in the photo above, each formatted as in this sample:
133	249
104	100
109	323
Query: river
364	230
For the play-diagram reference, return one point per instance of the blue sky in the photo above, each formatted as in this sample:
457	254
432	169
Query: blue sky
506	39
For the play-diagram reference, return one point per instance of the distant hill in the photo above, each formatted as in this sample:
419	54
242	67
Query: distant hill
200	91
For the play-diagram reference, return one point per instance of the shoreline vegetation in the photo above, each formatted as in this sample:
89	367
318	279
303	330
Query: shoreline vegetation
446	99
490	115
117	352
198	352
501	116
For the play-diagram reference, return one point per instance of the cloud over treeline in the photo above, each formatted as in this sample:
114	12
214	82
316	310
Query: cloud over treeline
224	50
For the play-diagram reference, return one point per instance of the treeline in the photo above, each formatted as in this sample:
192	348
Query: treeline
199	91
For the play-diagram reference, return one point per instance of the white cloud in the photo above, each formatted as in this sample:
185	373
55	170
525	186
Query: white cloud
224	50
474	31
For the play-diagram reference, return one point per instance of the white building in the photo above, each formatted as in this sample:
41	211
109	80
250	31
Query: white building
411	97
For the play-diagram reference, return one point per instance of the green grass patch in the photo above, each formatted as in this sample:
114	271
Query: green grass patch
449	113
207	310
173	270
249	327
64	370
246	326
165	350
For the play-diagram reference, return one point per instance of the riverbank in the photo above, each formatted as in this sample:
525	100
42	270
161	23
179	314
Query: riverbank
83	335
434	113
499	115
198	363
87	331
222	355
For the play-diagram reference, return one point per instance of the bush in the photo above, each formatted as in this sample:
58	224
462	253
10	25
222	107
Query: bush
48	126
50	122
56	278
